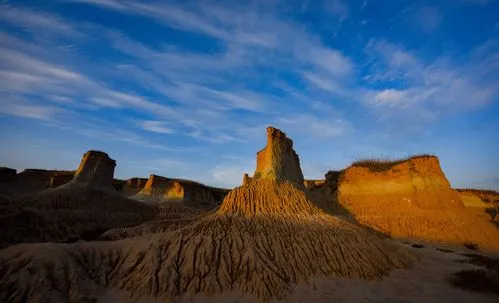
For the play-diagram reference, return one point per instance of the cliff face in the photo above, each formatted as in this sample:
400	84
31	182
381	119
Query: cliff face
418	182
412	199
96	170
278	160
159	189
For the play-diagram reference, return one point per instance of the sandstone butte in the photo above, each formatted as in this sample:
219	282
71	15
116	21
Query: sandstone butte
81	208
162	190
265	237
410	199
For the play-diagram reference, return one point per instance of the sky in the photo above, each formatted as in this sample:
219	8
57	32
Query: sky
186	88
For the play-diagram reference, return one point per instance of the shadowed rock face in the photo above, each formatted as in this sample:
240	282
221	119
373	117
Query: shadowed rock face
61	178
278	160
8	174
96	170
80	209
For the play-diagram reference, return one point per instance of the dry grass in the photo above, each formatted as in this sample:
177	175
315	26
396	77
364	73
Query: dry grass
378	164
478	191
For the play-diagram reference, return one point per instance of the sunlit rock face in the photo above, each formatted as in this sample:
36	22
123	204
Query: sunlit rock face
278	161
417	182
96	170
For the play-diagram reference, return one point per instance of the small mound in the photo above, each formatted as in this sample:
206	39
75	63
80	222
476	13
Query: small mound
163	190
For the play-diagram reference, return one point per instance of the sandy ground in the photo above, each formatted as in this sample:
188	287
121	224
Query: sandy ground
426	282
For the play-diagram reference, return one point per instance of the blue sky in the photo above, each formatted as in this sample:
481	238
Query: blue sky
186	89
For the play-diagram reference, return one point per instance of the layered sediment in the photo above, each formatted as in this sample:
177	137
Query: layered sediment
162	190
412	198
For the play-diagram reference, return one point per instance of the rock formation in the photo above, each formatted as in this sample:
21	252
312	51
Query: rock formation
478	198
8	175
133	186
278	160
411	199
59	179
80	209
266	237
96	170
29	181
417	182
192	194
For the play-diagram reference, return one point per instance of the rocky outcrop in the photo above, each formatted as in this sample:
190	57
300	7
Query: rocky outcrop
61	178
136	182
314	184
478	198
82	208
132	186
159	189
38	179
412	198
417	182
8	175
278	160
96	170
27	182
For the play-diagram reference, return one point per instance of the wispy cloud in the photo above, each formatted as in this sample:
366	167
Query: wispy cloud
156	127
38	112
438	84
428	18
32	20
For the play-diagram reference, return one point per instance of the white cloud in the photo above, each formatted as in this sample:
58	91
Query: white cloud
314	127
438	84
156	127
36	21
326	83
28	111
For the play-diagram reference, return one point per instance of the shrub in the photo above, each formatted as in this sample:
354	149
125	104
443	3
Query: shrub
383	164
